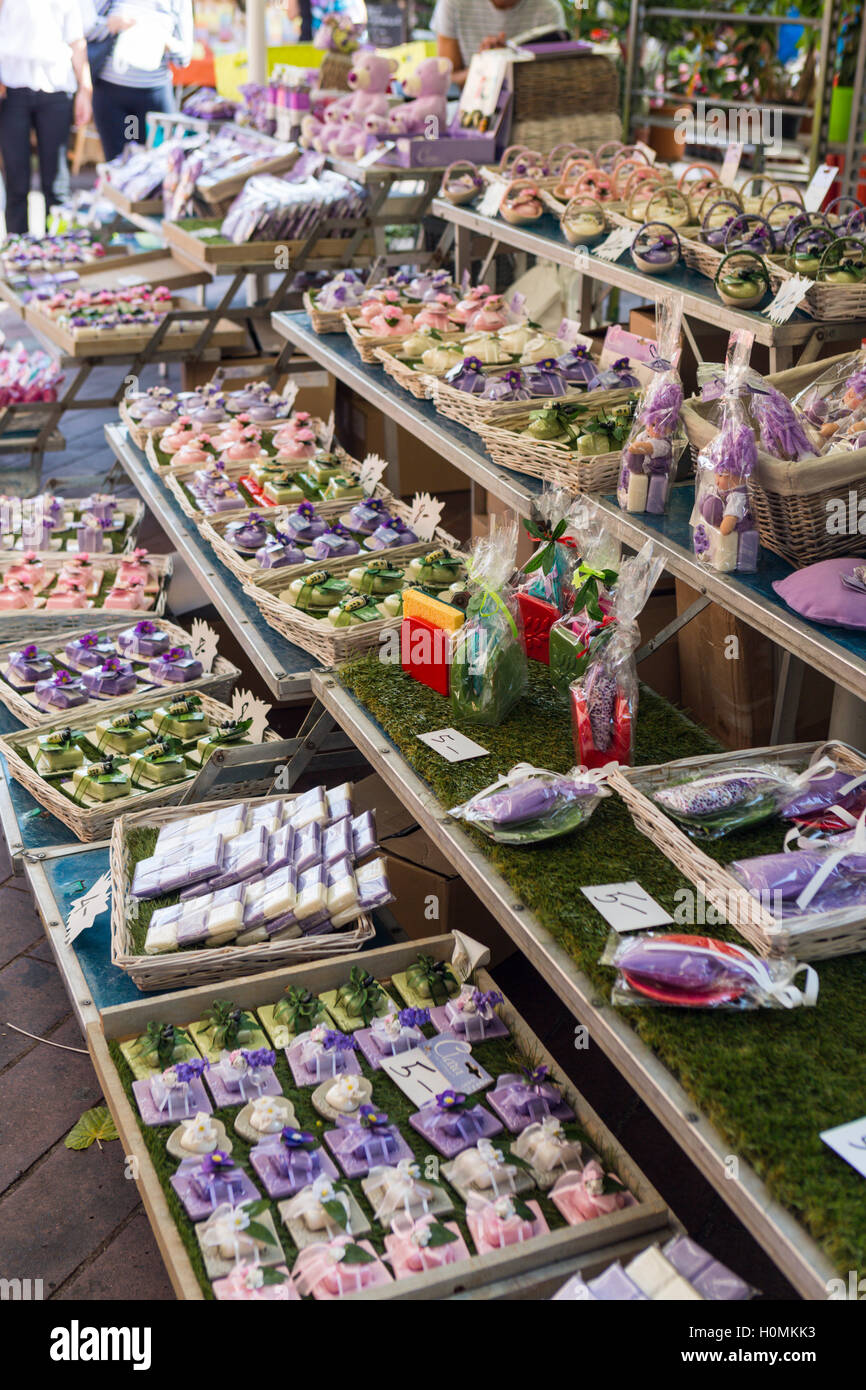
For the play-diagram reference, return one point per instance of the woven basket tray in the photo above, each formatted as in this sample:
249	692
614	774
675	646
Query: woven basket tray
365	344
790	500
477	414
417	383
323	320
330	645
155	458
833	934
208	965
177	483
33	623
133	510
218	683
141	436
707	259
831	302
94	822
551	462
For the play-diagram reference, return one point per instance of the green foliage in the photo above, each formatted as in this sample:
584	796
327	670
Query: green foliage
94	1127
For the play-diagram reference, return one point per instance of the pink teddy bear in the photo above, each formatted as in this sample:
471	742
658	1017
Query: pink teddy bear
369	79
426	115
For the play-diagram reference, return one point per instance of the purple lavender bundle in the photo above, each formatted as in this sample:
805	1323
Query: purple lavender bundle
529	804
711	804
781	429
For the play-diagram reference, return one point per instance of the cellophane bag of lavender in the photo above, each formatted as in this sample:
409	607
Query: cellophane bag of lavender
834	405
488	662
604	697
547	573
724	531
528	804
593	579
656	441
783	430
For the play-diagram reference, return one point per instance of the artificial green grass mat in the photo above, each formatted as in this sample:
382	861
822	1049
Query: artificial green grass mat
497	1056
769	1080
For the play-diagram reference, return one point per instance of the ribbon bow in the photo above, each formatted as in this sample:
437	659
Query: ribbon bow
398	1186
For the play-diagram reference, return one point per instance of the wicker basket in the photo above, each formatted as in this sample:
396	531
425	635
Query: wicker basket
140	437
416	382
207	965
833	934
94	822
177	485
830	302
477	414
365	344
323	320
154	458
547	131
331	646
334	72
569	84
34	623
218	683
707	259
553	463
792	501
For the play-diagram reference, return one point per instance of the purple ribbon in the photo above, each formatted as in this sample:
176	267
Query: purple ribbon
537	1100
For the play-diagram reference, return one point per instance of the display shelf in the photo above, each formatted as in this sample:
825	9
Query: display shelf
790	1246
839	654
801	336
284	667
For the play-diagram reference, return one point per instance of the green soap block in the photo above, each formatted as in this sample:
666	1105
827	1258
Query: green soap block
376	578
346	1021
283	492
187	726
281	1033
354	609
157	769
313	490
112	737
56	759
323	469
87	782
207	745
318	590
339	488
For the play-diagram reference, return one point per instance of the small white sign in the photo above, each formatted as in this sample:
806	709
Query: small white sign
790	294
730	165
849	1142
291	392
375	154
627	906
416	1074
492	197
453	746
371	472
203	644
84	910
246	706
132	277
453	1057
819	184
203	233
425	513
647	150
619	240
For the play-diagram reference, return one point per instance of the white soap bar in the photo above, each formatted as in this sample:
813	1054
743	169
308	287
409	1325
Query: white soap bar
653	1272
638	485
160	938
270	815
312	896
310	809
339	801
722	554
342	892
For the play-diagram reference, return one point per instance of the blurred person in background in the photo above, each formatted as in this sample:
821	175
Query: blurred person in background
466	27
131	43
44	83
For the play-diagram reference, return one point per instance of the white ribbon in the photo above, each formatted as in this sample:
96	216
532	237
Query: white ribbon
521	772
398	1185
222	1229
781	991
310	1199
855	844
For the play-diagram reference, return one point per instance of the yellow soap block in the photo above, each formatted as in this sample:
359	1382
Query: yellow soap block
417	604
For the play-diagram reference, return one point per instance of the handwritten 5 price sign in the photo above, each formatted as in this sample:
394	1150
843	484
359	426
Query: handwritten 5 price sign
627	906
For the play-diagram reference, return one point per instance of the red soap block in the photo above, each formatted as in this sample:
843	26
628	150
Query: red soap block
538	618
255	490
619	750
425	654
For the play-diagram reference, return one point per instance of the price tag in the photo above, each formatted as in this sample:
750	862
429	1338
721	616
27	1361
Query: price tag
371	472
492	197
453	746
204	232
849	1142
425	513
619	240
454	1059
375	154
247	706
648	151
627	906
417	1075
790	294
730	165
203	644
85	909
820	182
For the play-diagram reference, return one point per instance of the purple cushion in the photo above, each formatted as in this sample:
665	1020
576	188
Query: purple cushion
817	592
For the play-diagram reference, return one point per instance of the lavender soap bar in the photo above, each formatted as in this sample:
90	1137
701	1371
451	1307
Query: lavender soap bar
160	874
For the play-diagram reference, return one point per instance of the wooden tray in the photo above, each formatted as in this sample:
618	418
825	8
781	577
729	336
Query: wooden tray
830	934
33	623
225	335
210	251
140	207
218	683
534	1269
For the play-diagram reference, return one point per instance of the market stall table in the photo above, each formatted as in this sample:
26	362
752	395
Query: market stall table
566	957
801	338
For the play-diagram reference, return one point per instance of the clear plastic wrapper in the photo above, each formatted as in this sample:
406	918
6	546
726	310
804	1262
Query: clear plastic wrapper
547	573
724	532
712	802
272	209
650	457
488	664
810	877
708	1276
604	696
700	972
835	402
592	582
529	804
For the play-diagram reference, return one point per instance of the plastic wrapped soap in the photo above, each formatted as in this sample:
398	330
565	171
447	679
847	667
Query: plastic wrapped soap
374	890
658	1279
308	847
269	814
337	841
158	875
339	801
270	896
281	847
342	889
245	857
227	821
162	936
309	808
215	917
312	895
710	1277
364	834
614	1285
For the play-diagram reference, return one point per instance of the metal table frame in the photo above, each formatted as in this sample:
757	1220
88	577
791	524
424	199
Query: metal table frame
773	1226
699	299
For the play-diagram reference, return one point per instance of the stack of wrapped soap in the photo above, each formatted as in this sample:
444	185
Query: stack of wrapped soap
680	1272
267	871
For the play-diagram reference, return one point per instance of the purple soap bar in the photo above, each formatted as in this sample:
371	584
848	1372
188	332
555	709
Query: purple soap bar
747	551
278	552
29	665
304	525
308	847
246	857
159	875
176	665
113	677
657	493
145	639
88	650
388	536
364	834
229	1088
202	1192
374	890
284	1171
250	534
333	545
181	1103
337	841
60	691
365	516
358	1150
269	897
453	1131
281	847
319	925
614	1285
819	794
710	1277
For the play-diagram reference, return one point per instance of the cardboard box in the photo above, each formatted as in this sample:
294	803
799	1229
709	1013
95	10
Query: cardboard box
361	430
430	896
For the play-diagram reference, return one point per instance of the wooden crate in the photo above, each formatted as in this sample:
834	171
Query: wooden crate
208	251
137	207
94	344
532	1269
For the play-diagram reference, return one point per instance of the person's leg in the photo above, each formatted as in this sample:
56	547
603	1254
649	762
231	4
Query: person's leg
52	117
109	115
15	111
